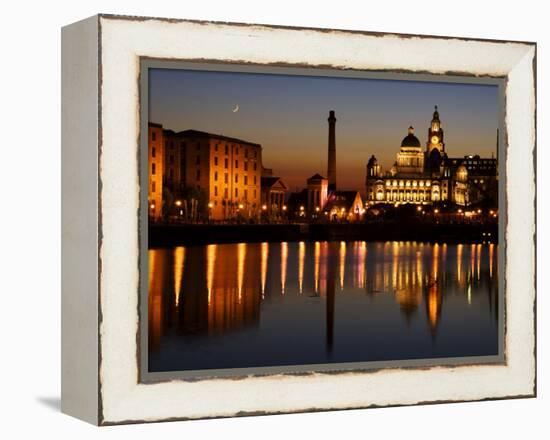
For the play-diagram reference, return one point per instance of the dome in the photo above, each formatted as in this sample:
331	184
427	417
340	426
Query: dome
410	140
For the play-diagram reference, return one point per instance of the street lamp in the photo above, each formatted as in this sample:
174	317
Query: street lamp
178	202
264	207
210	206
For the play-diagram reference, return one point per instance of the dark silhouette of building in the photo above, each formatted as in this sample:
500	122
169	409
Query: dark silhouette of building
331	168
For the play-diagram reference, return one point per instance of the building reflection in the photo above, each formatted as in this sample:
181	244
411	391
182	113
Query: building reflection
155	307
179	261
284	262
263	265
317	262
331	288
301	263
210	266
342	264
215	289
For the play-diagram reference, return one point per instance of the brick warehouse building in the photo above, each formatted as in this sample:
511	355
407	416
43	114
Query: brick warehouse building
203	175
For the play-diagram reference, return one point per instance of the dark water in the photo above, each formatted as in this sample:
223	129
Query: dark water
260	304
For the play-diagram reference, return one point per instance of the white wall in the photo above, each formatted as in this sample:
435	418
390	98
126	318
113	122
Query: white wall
30	232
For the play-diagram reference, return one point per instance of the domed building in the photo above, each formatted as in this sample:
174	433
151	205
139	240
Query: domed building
425	176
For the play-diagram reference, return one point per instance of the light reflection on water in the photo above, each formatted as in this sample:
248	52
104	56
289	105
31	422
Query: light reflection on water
264	304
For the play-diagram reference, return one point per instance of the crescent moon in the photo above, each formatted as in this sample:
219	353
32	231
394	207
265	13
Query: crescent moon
236	109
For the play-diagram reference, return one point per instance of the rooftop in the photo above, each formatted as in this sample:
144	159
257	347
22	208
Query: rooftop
316	176
269	181
204	134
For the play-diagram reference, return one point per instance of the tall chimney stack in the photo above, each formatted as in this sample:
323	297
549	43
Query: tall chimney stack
331	172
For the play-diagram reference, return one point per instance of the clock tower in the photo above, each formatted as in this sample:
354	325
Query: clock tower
435	134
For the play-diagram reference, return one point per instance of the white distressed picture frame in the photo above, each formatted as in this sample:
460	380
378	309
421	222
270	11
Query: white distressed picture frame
100	205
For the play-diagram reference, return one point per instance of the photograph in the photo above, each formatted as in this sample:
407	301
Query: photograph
285	220
304	220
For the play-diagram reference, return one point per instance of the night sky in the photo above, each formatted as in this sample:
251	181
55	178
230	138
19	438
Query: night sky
288	114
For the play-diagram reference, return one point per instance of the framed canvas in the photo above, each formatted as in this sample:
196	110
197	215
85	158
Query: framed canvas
262	220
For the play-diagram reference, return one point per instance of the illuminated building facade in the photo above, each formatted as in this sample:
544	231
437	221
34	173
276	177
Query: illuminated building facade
344	206
204	174
273	197
317	193
426	176
156	170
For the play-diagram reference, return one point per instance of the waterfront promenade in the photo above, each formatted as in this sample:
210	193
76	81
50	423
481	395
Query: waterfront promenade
191	234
